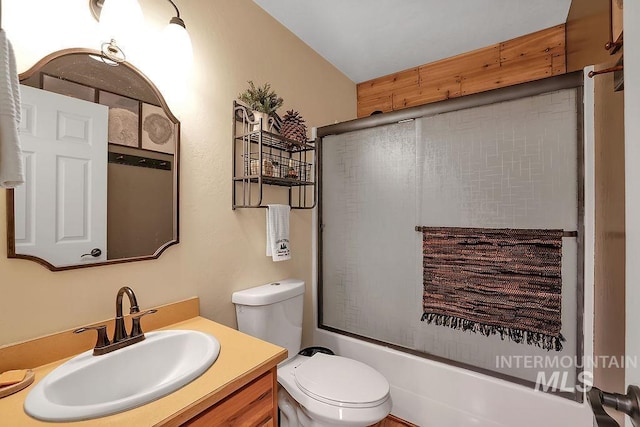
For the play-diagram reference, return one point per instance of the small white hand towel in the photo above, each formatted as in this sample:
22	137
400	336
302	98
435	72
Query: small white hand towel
278	232
11	173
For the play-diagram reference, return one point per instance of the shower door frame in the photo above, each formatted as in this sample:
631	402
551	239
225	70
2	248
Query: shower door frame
574	80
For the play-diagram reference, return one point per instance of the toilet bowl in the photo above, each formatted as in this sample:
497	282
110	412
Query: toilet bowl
325	390
317	390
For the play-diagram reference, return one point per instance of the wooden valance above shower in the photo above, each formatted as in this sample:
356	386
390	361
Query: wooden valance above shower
523	59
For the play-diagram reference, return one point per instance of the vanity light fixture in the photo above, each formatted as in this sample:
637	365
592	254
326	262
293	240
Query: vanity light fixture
176	40
119	20
118	17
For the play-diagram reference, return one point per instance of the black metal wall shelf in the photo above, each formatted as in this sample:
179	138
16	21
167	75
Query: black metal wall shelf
262	157
272	140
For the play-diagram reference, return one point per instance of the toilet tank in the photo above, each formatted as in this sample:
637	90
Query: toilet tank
273	313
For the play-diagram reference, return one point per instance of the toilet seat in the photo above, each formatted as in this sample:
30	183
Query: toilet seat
342	382
325	411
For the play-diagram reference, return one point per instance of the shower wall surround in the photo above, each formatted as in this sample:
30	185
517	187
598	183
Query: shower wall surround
511	164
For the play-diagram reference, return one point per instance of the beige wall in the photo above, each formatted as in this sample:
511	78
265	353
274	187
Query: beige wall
220	250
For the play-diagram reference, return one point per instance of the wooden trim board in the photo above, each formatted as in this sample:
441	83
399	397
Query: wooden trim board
393	421
50	348
523	59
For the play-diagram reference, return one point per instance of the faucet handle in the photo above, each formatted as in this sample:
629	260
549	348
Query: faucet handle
136	330
102	340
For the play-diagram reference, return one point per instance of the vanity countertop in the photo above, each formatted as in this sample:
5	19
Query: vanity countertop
242	358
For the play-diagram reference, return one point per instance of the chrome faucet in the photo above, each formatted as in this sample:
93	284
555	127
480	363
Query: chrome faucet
120	337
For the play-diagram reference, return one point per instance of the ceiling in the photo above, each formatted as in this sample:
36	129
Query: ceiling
366	39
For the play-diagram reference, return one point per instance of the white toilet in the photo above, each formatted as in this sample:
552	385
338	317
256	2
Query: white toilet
320	390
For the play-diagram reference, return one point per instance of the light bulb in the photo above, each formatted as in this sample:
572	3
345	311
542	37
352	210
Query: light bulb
122	21
174	57
176	44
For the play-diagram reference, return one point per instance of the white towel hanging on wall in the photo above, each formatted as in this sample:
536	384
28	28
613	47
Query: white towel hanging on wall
278	232
11	171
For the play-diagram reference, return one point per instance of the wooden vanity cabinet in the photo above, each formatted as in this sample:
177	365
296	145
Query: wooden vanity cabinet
255	404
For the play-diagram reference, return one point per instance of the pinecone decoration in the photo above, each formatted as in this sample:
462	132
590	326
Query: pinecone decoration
293	127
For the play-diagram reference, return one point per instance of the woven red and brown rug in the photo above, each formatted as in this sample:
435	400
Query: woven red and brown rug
505	282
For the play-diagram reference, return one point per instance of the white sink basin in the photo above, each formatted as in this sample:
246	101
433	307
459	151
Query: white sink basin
90	386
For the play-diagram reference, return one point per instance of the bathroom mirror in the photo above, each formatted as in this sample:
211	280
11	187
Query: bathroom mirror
101	152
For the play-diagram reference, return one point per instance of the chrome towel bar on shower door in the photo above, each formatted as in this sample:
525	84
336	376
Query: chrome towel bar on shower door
565	233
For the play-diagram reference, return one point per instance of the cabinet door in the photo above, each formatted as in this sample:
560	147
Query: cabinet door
253	405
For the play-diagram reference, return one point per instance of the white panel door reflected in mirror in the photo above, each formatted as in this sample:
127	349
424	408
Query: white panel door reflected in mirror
107	191
61	209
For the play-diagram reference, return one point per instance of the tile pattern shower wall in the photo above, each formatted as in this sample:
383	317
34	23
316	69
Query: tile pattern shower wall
511	164
506	165
368	210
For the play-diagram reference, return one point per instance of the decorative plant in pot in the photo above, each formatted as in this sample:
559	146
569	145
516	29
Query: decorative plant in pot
262	100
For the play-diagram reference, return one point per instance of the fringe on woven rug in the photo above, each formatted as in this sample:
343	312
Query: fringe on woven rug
547	342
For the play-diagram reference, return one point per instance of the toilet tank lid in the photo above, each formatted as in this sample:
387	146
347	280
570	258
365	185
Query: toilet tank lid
270	293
